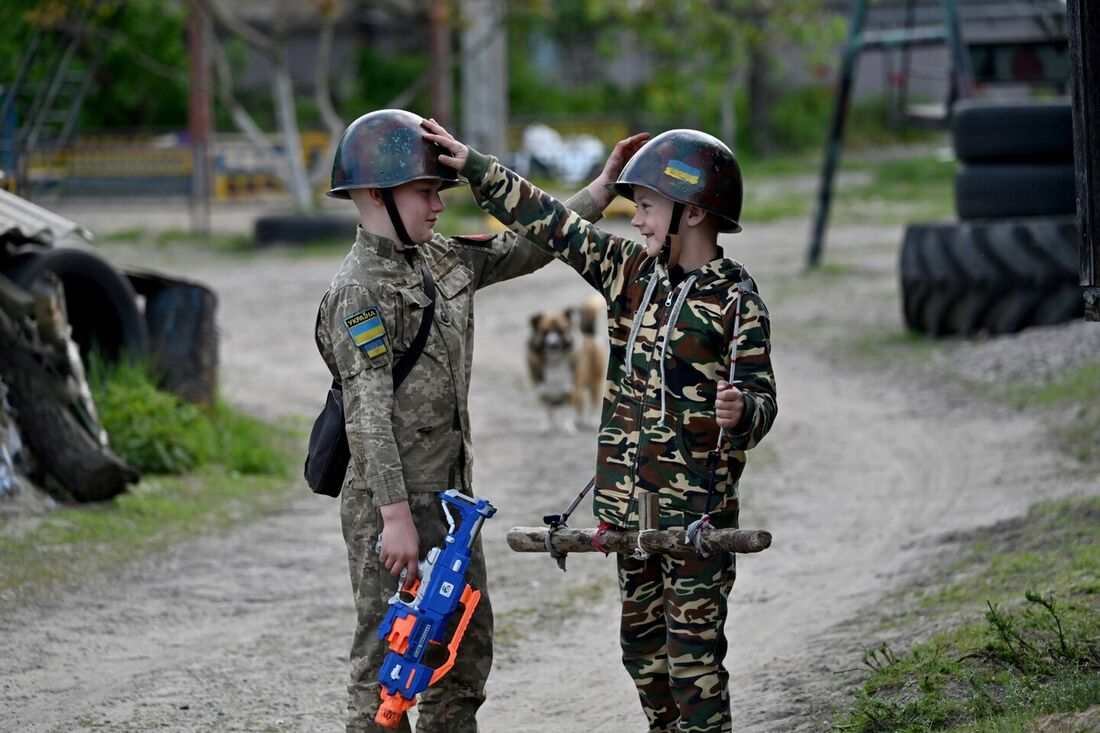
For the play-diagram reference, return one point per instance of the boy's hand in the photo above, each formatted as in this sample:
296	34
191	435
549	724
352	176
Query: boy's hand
621	154
438	135
729	405
400	543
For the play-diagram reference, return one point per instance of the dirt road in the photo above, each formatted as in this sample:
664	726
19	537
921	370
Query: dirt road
863	472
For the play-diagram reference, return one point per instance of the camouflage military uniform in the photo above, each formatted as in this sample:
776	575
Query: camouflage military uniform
669	348
414	443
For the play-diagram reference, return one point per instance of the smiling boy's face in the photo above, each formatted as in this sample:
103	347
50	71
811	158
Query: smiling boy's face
652	218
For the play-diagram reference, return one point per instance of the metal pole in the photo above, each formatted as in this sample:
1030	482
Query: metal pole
962	76
836	130
199	118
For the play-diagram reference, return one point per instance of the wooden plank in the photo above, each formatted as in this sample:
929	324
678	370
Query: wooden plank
1083	30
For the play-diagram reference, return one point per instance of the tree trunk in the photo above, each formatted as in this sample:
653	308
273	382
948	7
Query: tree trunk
297	181
484	76
760	99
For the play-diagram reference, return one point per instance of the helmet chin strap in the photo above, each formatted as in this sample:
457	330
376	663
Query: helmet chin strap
395	218
669	255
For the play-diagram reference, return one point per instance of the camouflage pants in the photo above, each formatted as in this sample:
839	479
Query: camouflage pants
450	705
672	638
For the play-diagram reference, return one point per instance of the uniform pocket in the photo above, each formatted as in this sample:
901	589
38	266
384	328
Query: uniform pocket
412	305
454	287
696	437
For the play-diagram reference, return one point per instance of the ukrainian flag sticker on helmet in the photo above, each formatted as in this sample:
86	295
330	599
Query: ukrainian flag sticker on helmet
683	172
367	331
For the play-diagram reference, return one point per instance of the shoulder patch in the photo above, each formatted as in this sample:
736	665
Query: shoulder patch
367	331
747	284
479	240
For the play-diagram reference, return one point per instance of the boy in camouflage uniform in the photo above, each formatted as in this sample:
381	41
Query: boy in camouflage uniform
678	312
409	444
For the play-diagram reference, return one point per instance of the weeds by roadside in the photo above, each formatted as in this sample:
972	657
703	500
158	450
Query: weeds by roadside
156	432
1019	656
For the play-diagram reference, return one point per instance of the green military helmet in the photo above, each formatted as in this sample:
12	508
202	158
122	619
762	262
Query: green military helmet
691	167
386	148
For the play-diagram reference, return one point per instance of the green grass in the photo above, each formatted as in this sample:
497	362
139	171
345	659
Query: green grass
1024	611
908	189
1075	397
75	541
893	348
204	469
919	186
156	432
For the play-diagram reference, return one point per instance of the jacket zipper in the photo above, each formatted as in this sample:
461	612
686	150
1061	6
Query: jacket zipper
632	501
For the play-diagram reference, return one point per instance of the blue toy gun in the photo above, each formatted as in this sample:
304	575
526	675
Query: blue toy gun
418	618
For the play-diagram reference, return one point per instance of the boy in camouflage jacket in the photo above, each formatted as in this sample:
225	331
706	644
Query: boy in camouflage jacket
410	442
679	313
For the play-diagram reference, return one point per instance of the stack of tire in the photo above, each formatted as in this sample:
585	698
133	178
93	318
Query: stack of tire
1011	261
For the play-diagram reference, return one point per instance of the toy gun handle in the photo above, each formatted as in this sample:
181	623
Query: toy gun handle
395	705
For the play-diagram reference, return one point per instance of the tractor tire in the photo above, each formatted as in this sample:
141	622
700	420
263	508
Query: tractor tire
990	131
1013	191
992	277
101	305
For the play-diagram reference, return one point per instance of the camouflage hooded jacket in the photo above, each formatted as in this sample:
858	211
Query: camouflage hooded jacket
417	438
669	347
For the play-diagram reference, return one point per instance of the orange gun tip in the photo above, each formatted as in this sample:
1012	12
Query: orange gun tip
390	711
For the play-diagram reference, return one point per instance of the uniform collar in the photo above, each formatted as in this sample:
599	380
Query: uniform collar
719	271
383	246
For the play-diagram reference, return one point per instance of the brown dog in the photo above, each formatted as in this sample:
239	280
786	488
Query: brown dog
567	364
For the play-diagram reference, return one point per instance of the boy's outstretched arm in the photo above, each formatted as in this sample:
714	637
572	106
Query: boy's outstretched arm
540	218
516	253
598	188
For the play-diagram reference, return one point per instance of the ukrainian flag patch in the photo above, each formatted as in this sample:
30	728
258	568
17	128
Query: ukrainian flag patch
367	331
682	172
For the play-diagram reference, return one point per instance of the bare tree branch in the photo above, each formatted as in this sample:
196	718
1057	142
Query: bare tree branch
238	27
223	88
322	93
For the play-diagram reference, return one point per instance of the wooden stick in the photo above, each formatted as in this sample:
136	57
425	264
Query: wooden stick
663	541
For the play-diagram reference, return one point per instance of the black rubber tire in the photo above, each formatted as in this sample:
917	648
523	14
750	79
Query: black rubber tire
1004	191
101	304
994	277
183	334
991	131
304	229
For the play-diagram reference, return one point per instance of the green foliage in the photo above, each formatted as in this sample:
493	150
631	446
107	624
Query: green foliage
157	432
141	80
1016	658
379	78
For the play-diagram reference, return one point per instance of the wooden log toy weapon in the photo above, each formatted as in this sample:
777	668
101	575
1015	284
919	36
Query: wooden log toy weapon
559	539
652	541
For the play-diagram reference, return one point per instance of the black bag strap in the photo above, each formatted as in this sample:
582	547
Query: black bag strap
405	364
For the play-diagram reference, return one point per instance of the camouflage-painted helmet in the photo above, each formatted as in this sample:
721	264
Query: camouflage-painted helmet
384	149
691	167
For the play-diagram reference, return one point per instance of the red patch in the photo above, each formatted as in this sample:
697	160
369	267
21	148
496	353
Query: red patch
475	240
